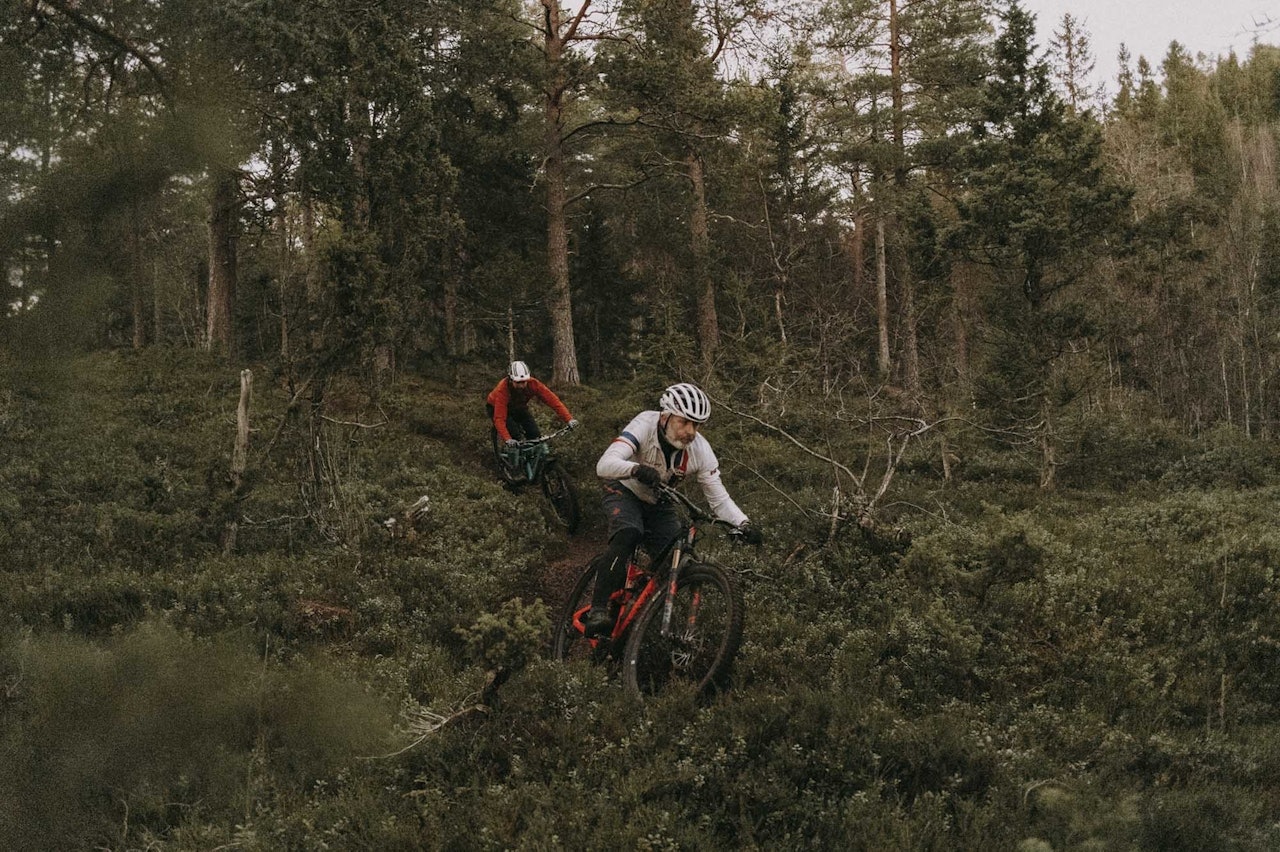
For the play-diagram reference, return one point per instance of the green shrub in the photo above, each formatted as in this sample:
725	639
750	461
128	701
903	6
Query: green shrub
1110	450
1088	668
103	743
1233	463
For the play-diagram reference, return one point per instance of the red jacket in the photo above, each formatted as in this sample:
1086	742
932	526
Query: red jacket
507	396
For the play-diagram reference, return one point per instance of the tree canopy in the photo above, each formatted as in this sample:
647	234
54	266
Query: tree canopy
861	187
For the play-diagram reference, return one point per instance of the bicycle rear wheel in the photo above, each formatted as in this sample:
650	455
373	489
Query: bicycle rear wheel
567	641
563	494
705	632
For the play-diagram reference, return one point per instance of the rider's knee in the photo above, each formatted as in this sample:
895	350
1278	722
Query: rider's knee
626	538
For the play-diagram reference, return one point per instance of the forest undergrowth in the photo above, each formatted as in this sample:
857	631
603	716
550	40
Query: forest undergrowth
1092	667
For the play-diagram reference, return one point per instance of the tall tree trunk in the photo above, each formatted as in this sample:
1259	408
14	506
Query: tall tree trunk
157	304
239	463
910	342
1048	448
223	218
284	273
361	142
902	266
564	353
700	235
451	347
511	332
312	270
137	275
858	251
360	215
313	282
961	299
779	315
895	82
907	334
564	350
882	302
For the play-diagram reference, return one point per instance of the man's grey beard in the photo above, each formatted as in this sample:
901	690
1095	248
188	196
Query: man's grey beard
679	445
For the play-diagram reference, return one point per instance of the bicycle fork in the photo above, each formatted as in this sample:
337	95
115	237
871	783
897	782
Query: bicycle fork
673	580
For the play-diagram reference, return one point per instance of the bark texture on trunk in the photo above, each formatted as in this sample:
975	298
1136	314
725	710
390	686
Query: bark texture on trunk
910	342
223	218
882	302
239	462
700	238
564	351
138	279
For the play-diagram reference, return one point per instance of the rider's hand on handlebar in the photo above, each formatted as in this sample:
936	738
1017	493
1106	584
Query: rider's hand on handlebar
748	533
573	423
512	443
648	476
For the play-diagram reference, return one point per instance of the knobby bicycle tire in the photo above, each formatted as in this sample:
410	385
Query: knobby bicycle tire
567	642
558	486
706	630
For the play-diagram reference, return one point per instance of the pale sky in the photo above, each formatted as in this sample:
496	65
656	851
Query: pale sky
1212	27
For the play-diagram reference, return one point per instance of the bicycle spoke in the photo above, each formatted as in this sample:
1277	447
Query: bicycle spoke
706	628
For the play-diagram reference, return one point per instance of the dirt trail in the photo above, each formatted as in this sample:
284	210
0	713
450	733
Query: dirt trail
554	581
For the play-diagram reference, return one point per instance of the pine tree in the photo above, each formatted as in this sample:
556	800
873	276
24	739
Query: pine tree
1036	207
1124	80
1071	55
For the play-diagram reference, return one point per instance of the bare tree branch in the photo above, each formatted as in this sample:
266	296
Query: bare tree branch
70	10
584	193
784	433
571	32
337	422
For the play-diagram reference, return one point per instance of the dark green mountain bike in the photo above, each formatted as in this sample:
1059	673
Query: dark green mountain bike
532	462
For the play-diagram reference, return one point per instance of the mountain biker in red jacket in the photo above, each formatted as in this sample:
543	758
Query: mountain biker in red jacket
656	448
508	404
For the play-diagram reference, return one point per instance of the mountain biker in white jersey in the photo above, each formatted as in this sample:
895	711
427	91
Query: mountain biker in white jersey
656	448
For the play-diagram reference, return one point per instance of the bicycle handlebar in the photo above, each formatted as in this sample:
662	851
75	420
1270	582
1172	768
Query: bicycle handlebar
530	442
695	511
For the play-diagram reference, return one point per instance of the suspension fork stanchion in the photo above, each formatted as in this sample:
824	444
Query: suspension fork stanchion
673	578
692	620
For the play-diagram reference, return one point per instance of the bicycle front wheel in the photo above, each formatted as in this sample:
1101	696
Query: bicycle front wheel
562	493
701	638
567	641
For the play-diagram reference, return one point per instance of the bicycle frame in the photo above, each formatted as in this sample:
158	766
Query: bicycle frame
681	552
531	457
528	459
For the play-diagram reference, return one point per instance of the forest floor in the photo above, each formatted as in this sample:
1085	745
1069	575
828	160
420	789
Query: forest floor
555	581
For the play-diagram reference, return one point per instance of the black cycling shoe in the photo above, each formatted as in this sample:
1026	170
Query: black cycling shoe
599	622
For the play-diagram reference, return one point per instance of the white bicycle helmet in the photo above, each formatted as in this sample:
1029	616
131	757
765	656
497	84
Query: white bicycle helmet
519	371
686	400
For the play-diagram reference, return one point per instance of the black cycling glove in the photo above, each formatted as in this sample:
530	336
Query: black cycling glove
648	476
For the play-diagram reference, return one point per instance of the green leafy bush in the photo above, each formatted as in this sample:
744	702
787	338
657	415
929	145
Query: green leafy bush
104	742
1228	461
1088	668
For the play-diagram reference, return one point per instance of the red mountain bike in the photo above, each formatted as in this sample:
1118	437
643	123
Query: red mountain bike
680	621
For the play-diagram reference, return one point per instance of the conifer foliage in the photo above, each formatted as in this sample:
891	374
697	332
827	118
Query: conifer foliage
992	356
